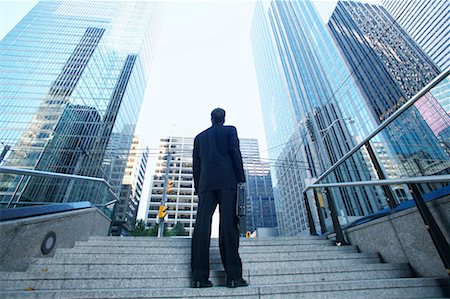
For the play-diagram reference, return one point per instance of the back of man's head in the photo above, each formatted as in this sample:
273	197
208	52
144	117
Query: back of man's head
218	116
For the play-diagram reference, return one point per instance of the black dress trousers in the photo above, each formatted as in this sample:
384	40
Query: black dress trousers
228	234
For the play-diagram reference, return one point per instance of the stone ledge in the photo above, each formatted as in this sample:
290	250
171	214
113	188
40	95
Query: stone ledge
402	238
21	239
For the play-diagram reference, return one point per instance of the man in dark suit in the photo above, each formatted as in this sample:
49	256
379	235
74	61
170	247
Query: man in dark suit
217	167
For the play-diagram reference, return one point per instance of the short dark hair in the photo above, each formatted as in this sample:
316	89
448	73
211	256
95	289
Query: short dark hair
218	116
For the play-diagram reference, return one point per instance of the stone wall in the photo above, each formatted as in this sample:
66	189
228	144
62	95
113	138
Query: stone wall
20	240
403	238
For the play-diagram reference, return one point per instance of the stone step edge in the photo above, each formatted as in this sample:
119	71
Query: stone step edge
183	282
214	260
187	254
213	239
143	244
215	255
269	248
248	272
214	266
291	248
298	288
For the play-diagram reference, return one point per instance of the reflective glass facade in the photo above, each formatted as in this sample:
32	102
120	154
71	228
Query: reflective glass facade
428	104
72	78
340	77
260	204
427	22
278	114
321	97
131	188
390	69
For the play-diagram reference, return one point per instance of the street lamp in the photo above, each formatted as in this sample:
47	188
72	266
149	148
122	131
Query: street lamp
340	240
350	120
327	129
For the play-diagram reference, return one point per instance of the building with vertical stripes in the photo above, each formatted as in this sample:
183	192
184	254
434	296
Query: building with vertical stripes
390	69
309	97
181	200
72	79
131	188
260	204
427	22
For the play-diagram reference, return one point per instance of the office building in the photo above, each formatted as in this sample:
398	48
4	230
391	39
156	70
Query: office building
260	204
320	117
131	188
181	201
73	75
390	69
427	23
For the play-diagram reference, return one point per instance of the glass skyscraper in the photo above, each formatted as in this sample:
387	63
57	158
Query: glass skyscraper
336	80
427	22
390	69
279	124
260	205
131	188
72	79
312	88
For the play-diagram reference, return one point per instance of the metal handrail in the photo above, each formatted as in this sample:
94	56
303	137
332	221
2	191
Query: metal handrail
41	173
384	124
41	203
441	244
400	181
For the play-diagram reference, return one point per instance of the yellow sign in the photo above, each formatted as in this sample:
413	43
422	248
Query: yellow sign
248	234
169	185
320	197
162	212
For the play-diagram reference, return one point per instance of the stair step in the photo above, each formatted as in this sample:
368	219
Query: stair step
155	242
100	280
171	239
380	288
83	248
82	259
186	273
145	265
162	258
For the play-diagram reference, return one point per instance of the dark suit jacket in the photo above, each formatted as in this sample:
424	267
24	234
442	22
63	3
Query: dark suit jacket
217	160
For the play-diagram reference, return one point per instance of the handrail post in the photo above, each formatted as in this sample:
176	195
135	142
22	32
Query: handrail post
319	208
13	196
433	229
312	226
113	217
340	240
387	189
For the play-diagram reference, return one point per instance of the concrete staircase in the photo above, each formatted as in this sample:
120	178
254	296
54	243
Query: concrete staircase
297	267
